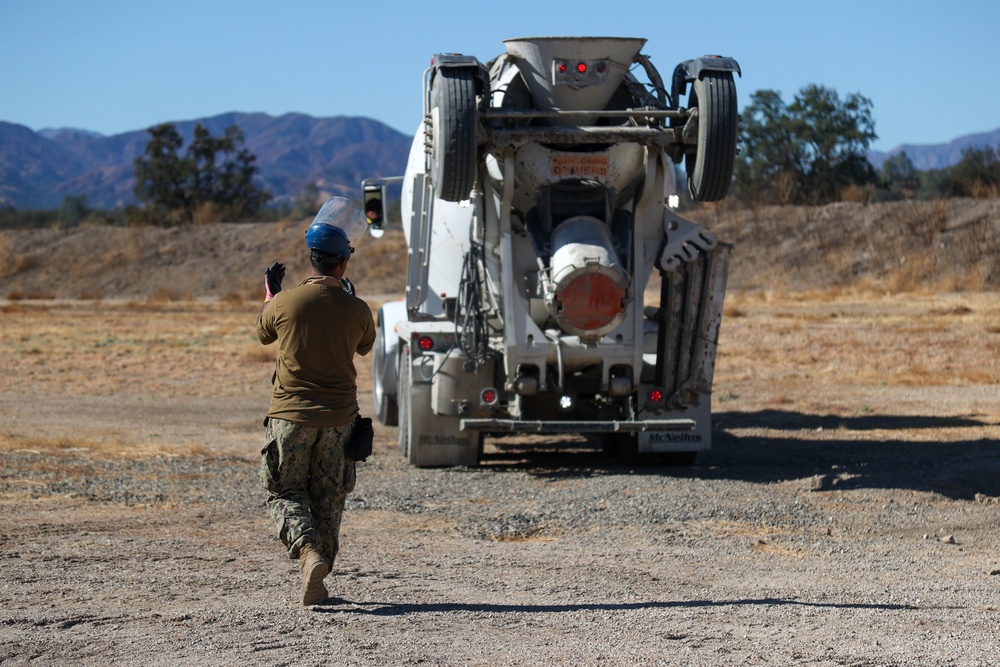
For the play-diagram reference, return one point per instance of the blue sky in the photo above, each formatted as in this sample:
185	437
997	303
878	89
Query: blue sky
930	68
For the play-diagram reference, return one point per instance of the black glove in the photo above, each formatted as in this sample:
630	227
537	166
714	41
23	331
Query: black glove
273	275
348	286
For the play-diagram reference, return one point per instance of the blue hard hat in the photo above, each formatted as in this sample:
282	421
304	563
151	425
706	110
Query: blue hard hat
339	223
329	239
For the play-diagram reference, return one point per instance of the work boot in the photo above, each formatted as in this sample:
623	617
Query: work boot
314	568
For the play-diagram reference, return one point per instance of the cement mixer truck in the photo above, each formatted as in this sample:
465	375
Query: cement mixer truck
550	286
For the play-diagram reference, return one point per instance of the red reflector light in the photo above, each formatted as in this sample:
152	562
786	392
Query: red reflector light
581	68
591	300
655	395
489	396
425	343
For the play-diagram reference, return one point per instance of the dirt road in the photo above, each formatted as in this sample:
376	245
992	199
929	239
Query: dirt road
848	514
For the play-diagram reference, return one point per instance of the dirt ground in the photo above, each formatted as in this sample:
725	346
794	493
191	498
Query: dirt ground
848	513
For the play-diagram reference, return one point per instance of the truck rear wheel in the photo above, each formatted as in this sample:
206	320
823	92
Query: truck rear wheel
710	169
386	410
625	447
620	446
453	152
403	375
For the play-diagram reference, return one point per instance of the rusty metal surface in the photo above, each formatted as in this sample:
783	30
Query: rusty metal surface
690	316
645	136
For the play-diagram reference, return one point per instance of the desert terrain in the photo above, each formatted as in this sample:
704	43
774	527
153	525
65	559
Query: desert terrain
847	514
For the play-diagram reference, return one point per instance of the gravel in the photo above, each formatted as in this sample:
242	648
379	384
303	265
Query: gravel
848	513
804	550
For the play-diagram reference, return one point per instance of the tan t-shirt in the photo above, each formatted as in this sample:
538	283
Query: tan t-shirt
319	327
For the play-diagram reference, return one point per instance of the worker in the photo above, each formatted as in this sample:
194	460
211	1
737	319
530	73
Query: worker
319	326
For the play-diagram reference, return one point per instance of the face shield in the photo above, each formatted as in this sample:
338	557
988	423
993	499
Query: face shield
345	214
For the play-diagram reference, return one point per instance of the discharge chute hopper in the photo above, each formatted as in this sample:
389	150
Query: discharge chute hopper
573	73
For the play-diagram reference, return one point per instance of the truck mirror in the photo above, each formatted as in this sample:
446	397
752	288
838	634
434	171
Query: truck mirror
374	195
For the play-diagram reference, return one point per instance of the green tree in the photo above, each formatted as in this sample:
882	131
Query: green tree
805	152
161	174
306	203
215	173
73	209
772	157
900	179
934	183
977	174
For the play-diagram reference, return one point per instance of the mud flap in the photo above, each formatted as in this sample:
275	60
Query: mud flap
699	439
435	439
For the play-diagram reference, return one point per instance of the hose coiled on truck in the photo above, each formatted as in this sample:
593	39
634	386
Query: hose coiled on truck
470	327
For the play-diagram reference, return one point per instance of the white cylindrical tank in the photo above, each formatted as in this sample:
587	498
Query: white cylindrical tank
588	285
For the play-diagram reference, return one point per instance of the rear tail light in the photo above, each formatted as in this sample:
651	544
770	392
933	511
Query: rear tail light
425	343
489	396
655	396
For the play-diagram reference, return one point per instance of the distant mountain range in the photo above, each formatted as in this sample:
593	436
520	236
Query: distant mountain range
38	169
938	156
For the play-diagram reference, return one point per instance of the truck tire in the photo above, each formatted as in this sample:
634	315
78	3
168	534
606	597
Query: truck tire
386	410
621	446
403	395
680	459
625	447
710	169
453	145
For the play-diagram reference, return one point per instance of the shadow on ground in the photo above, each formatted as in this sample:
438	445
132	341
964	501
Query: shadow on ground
398	609
829	450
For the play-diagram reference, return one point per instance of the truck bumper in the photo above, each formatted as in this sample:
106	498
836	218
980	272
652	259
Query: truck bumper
519	426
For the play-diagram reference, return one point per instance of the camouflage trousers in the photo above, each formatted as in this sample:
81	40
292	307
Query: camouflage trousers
307	477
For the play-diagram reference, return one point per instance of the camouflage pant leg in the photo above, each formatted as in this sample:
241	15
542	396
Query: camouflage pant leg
307	478
333	477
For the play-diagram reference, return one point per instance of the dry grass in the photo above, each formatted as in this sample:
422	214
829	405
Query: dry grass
102	348
864	194
981	190
889	248
104	450
167	294
879	248
380	265
834	337
18	295
259	355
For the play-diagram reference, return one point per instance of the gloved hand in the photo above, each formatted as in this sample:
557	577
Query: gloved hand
273	275
348	286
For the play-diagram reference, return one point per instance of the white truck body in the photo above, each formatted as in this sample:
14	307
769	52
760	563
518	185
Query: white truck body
534	206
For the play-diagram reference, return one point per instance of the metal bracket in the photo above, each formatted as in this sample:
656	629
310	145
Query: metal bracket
684	241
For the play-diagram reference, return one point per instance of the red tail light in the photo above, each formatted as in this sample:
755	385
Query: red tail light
489	396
